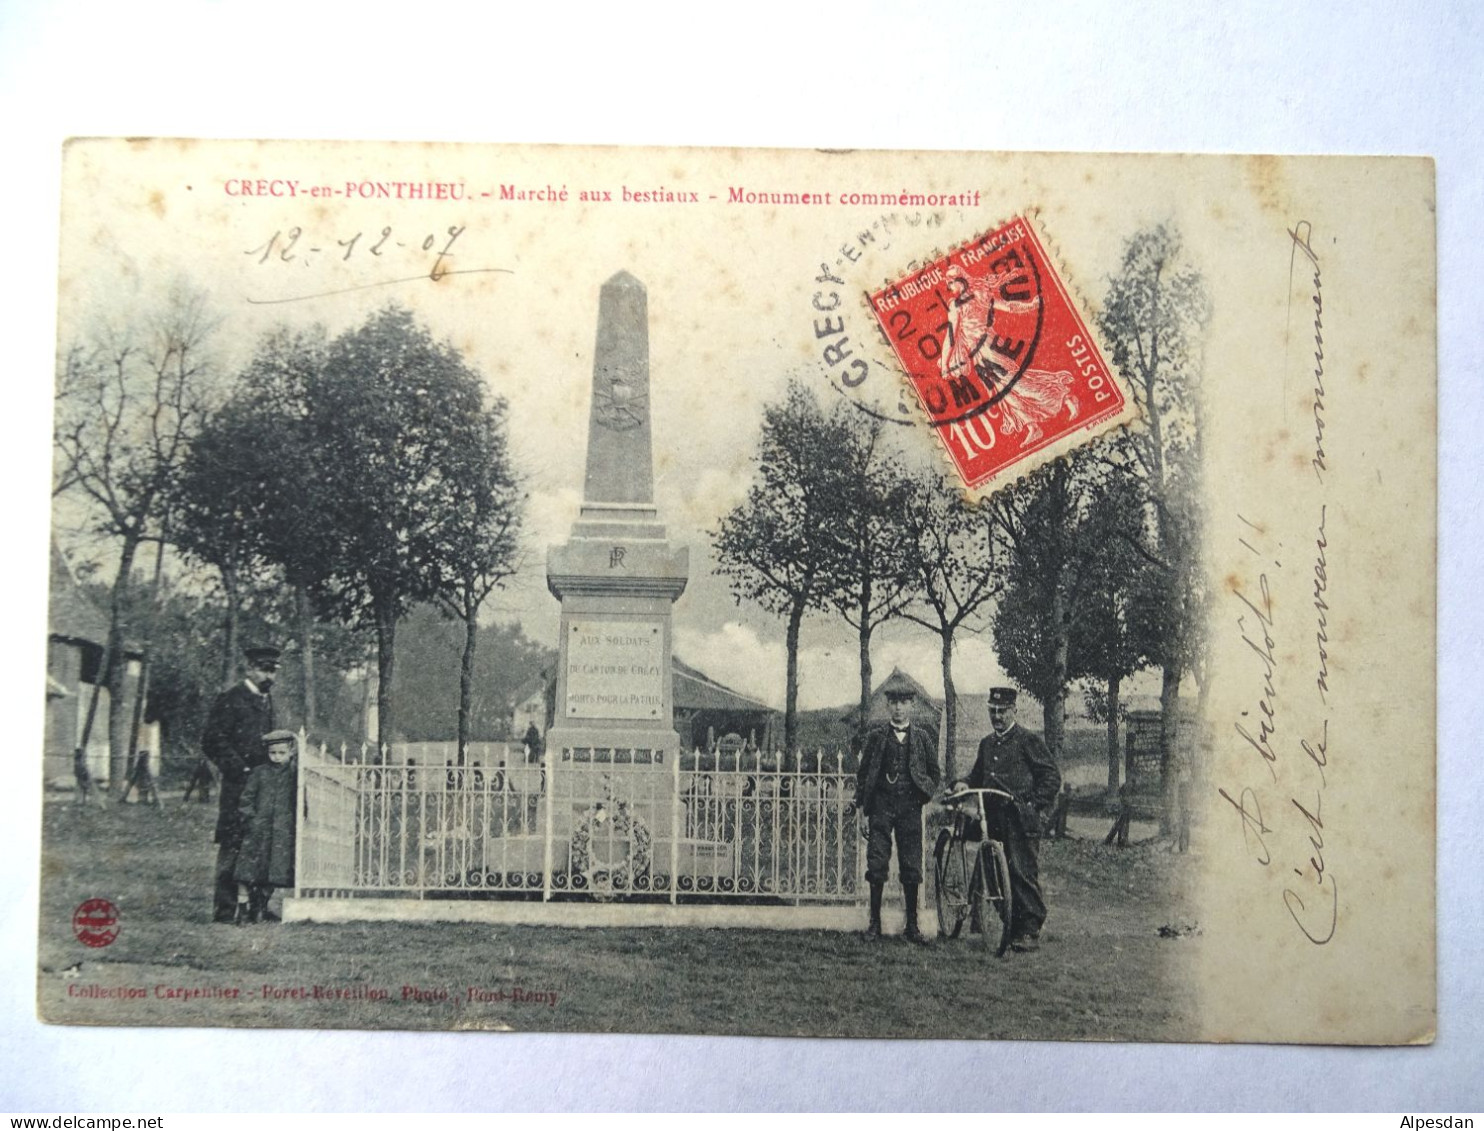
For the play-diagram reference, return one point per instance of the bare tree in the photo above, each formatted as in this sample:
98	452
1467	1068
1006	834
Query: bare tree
769	547
871	562
128	402
952	543
482	539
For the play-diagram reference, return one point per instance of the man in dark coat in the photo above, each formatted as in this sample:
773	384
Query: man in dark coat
1015	760
898	774
233	741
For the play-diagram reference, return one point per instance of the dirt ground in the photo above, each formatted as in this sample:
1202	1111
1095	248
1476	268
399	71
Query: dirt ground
1104	972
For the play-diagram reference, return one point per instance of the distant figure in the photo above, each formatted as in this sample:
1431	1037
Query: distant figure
140	778
898	774
233	741
84	778
1057	827
533	744
200	782
1182	808
1118	834
266	859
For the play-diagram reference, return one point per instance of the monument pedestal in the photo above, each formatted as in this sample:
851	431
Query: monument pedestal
614	678
612	750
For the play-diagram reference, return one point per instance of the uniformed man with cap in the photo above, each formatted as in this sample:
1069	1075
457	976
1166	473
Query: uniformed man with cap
1015	760
898	774
233	741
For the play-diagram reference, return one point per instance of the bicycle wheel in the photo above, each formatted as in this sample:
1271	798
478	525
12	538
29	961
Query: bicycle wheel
982	918
994	892
951	873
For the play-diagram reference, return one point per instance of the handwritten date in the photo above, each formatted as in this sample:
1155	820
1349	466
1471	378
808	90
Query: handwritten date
292	246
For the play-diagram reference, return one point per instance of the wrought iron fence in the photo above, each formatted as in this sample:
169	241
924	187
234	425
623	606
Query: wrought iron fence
585	823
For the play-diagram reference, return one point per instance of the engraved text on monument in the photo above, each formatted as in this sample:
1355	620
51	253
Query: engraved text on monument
615	670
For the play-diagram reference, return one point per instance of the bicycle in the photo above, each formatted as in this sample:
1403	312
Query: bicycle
973	872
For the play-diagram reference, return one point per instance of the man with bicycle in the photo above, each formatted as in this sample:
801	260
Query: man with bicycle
1015	760
898	774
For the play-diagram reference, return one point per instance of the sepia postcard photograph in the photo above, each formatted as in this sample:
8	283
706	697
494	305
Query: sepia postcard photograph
797	560
506	587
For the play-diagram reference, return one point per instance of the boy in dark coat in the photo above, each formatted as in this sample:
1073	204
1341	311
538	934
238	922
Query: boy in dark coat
266	859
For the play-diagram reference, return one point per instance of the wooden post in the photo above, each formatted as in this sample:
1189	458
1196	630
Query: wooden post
675	820
549	765
302	813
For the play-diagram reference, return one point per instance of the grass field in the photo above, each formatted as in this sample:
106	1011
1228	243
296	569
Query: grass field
1104	971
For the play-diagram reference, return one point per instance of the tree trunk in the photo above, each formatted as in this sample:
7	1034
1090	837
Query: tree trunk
1172	646
117	666
386	639
466	669
791	683
1053	707
1053	720
865	658
1169	722
231	625
141	688
306	653
1114	761
1196	740
118	712
950	710
366	692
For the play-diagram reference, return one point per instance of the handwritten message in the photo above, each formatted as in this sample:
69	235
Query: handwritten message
1283	731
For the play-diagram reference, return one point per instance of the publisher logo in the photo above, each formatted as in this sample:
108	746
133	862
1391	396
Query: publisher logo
96	922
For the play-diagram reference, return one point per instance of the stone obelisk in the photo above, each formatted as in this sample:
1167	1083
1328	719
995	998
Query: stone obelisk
617	576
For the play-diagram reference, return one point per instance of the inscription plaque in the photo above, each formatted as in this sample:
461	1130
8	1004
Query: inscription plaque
615	670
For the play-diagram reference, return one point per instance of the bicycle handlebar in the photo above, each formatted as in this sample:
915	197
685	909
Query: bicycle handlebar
963	793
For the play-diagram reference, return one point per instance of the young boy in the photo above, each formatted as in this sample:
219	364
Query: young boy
266	858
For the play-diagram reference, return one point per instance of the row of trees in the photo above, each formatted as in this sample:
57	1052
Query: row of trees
361	475
185	625
1087	569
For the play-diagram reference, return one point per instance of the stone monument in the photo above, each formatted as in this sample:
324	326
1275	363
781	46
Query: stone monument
617	576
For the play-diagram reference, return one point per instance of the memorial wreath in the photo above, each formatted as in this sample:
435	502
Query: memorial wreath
632	872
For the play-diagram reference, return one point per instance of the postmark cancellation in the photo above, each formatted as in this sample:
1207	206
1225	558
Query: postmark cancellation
1004	365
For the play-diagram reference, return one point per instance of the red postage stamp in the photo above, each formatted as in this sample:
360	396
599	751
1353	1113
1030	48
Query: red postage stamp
1003	363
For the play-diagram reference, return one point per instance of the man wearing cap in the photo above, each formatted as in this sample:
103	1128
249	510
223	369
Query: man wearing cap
233	740
1014	759
898	774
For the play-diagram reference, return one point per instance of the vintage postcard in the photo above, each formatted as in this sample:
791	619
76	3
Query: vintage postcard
745	592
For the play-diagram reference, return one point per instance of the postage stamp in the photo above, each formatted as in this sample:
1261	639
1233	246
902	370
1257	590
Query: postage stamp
1006	368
